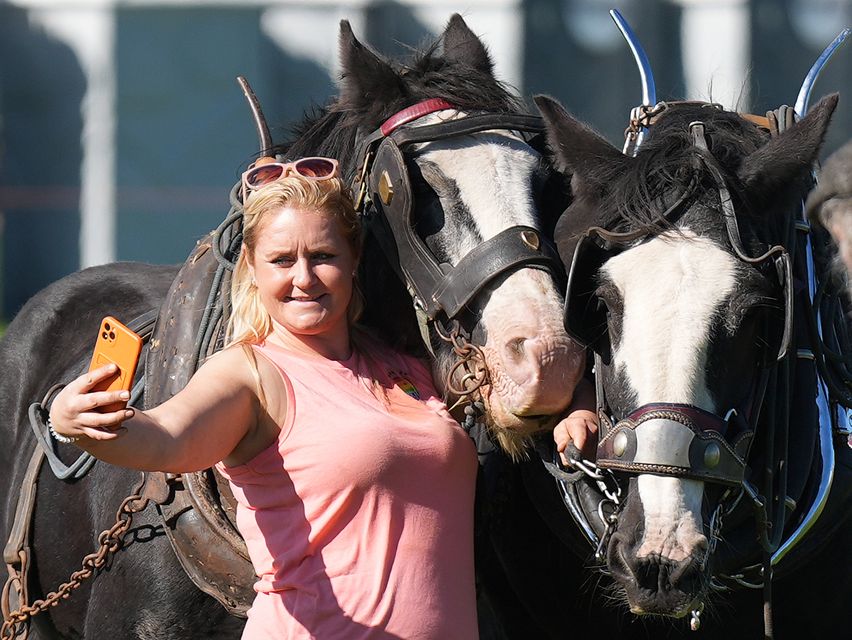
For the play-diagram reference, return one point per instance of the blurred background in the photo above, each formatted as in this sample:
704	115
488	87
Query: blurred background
122	128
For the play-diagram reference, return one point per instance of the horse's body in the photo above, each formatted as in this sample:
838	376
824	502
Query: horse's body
686	314
466	188
49	341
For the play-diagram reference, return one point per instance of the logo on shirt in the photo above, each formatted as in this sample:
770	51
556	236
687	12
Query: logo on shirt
405	384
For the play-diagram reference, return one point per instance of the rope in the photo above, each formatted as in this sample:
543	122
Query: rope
77	469
229	230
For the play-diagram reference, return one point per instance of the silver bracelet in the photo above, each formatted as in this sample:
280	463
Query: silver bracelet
59	436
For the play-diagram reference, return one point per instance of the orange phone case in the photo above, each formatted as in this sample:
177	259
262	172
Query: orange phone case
118	345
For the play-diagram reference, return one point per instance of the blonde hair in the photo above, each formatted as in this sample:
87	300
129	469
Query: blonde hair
250	322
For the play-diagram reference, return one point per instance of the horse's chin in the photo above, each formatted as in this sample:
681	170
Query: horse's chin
663	610
513	432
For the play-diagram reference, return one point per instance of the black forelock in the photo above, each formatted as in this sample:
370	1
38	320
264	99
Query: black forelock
668	164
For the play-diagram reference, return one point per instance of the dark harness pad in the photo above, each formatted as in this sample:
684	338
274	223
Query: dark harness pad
200	516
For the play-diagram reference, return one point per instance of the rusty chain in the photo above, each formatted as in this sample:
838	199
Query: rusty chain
471	361
109	541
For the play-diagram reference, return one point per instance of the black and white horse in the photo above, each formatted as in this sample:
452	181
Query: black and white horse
468	183
689	279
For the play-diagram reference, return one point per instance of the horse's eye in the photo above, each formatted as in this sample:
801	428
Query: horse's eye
610	309
613	325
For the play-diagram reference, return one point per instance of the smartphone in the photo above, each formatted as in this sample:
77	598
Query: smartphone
118	345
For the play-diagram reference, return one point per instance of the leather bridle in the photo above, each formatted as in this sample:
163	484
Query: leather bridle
677	439
669	439
440	292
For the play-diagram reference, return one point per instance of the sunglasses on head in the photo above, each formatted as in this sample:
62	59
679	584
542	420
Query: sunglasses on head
311	168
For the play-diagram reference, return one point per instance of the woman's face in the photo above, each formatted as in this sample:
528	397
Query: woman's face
303	267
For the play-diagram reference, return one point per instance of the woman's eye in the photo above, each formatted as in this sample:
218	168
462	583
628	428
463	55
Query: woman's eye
322	257
284	260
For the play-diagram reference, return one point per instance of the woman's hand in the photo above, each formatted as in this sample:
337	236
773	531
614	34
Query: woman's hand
580	428
74	412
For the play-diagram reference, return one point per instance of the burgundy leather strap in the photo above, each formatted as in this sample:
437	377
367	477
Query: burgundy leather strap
703	420
413	112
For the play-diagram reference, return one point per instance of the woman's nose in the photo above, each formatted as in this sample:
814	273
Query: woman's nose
303	273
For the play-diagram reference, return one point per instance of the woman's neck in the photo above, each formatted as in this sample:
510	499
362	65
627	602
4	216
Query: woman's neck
331	347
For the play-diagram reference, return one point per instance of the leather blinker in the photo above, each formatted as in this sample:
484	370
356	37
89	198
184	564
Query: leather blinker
439	287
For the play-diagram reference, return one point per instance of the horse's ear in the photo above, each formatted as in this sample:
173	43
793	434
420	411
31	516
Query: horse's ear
367	80
461	45
789	155
592	163
576	148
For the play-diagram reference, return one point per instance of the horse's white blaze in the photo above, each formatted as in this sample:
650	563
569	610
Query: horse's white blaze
493	177
672	517
672	288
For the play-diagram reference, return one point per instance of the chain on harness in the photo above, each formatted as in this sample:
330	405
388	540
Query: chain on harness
110	541
468	373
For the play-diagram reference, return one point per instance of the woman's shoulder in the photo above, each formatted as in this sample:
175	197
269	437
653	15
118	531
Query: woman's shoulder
250	365
234	361
231	354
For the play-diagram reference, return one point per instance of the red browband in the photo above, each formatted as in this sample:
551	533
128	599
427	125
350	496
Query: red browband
413	112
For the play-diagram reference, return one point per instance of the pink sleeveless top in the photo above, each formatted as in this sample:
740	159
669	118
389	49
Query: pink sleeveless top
359	519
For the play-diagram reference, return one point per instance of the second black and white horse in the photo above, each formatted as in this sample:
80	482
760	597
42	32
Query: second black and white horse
692	279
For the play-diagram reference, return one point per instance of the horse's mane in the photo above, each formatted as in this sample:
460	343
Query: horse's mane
334	130
668	165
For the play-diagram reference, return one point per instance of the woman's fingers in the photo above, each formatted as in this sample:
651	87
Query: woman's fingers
575	437
85	382
96	400
110	420
76	413
98	426
101	434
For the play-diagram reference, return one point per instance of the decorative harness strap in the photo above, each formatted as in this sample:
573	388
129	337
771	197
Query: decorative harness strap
643	116
412	113
673	439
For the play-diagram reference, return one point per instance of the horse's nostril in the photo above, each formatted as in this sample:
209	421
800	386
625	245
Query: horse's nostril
618	563
653	574
515	348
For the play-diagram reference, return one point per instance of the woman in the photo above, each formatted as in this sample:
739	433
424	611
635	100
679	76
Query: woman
354	484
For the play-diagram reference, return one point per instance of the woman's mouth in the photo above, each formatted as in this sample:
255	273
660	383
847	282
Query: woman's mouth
304	298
